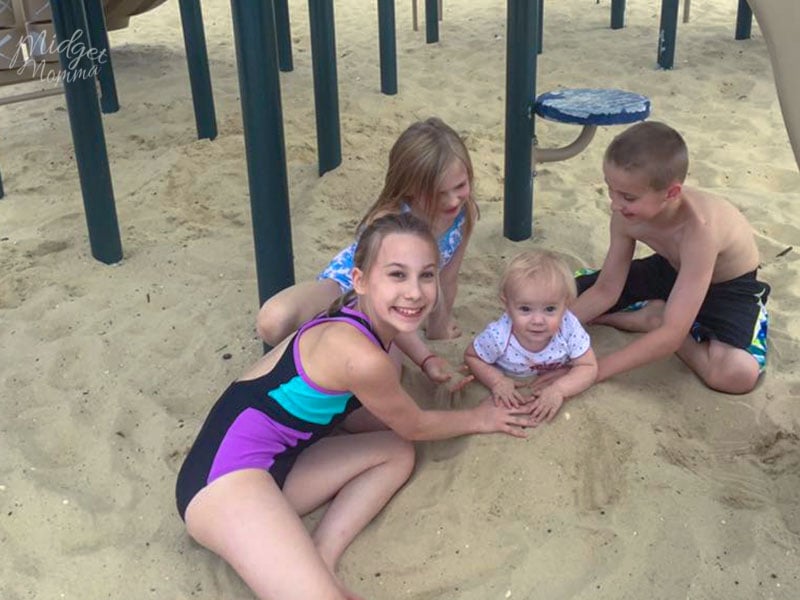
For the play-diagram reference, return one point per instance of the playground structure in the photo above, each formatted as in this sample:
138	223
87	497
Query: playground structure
86	18
263	44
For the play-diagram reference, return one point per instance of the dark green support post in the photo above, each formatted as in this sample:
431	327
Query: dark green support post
667	33
194	39
521	44
98	37
88	138
540	21
2	193
617	14
262	117
744	21
431	21
388	46
284	28
326	94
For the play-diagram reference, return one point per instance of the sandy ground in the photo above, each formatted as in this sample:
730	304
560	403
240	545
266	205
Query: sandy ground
655	487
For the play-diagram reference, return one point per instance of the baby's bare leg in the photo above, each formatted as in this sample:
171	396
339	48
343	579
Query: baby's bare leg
721	366
645	319
288	309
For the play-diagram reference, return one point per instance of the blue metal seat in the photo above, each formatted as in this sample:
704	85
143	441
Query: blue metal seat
588	107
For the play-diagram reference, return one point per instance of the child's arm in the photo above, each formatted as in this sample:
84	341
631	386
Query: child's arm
606	291
435	367
504	389
581	375
691	286
370	375
440	321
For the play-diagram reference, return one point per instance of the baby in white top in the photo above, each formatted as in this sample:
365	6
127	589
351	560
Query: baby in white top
537	334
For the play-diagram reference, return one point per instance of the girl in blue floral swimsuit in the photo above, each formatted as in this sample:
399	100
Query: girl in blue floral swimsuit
430	175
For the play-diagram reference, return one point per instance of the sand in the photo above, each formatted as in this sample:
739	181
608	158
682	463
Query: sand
654	487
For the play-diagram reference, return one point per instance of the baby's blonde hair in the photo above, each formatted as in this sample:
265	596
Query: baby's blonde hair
542	266
418	162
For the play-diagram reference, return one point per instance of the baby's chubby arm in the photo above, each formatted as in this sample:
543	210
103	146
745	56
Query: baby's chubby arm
504	389
580	376
606	291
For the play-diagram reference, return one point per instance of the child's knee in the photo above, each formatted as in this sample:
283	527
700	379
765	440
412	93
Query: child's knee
272	322
737	376
403	455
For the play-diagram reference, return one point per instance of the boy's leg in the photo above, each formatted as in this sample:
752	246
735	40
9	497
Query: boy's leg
721	366
291	307
727	346
649	278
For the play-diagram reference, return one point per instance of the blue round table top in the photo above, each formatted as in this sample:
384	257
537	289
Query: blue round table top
587	106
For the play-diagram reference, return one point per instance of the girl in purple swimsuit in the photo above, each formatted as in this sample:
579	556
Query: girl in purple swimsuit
264	458
430	175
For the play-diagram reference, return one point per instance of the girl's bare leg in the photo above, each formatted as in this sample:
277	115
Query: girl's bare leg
288	309
359	473
244	518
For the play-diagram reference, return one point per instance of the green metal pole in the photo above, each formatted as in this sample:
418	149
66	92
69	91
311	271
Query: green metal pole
259	87
194	39
617	14
522	31
98	35
431	21
88	138
388	46
744	21
326	95
284	28
2	192
540	20
667	33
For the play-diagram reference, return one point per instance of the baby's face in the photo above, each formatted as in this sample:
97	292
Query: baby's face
535	311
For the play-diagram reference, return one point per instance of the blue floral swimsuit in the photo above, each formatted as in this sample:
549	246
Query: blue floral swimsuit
341	267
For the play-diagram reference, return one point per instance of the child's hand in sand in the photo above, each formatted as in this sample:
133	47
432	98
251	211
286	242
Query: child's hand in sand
439	370
512	421
546	404
506	393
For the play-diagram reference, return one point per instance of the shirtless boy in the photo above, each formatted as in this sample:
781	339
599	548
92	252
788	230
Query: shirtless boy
698	293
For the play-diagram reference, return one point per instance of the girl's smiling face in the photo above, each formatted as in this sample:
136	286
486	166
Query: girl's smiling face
452	194
401	287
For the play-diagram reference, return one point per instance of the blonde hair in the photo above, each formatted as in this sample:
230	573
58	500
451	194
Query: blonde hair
546	268
369	244
418	162
652	148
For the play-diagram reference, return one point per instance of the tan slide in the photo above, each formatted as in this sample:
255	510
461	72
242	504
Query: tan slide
779	21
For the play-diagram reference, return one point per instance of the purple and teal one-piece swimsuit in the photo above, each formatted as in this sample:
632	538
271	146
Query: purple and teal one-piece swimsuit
265	423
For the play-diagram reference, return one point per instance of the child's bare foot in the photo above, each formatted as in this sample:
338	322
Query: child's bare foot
645	319
450	332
